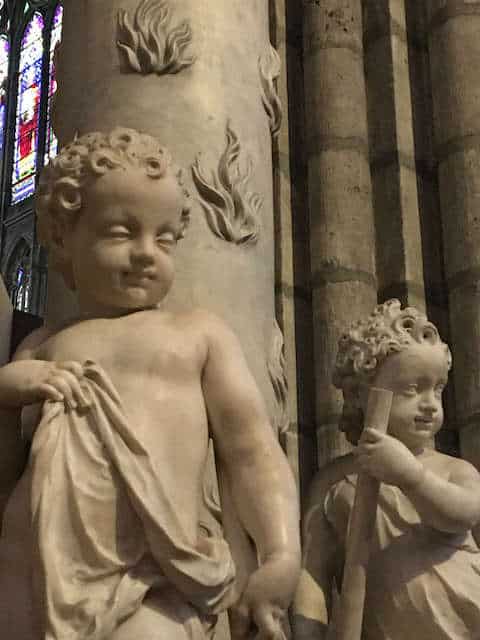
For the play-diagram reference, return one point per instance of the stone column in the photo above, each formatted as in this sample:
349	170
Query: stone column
392	151
199	76
454	47
340	194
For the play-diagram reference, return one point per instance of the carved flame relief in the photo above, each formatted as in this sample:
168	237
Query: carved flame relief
152	45
231	210
269	66
276	370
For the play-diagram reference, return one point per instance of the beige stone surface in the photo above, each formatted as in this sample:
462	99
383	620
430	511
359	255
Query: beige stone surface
416	565
109	516
460	181
339	190
454	51
455	91
189	112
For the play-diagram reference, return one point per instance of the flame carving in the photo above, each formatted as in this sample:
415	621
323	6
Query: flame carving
269	66
276	371
231	210
152	45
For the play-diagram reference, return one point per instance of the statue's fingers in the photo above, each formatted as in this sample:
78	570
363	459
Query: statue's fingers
77	394
49	392
371	435
73	366
63	387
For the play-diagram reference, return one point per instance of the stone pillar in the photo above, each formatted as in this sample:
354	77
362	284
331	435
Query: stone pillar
284	257
392	150
198	76
454	47
340	194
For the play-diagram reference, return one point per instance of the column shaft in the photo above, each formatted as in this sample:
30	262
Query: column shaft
454	48
340	194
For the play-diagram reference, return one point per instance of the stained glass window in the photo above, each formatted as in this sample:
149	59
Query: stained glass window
51	144
30	32
28	110
4	49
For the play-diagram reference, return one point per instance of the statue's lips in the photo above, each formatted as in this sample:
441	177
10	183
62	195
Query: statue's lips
423	423
140	277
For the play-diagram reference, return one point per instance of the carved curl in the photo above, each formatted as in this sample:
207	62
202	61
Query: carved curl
151	45
269	66
63	181
232	211
367	343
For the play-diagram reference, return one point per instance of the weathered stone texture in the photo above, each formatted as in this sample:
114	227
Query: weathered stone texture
341	215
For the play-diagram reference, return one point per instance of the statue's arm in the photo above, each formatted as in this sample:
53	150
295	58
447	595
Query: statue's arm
261	482
16	377
450	505
29	379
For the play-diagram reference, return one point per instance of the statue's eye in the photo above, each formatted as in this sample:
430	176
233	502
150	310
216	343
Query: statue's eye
167	239
118	231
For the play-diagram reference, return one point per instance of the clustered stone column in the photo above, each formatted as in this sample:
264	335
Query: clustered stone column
340	194
454	47
392	153
199	77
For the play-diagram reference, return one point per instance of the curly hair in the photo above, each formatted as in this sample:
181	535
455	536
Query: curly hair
63	181
367	343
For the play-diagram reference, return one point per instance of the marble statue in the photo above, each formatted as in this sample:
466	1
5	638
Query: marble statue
423	575
101	536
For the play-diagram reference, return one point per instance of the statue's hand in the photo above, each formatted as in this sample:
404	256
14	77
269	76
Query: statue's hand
56	381
388	459
265	600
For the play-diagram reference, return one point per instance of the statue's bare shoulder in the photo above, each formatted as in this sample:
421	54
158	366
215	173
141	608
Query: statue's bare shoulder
27	348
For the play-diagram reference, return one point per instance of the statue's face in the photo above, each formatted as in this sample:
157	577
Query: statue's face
121	246
417	377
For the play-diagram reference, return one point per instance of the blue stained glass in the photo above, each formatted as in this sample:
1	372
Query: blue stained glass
28	110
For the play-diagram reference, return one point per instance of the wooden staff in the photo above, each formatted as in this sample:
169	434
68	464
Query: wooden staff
349	615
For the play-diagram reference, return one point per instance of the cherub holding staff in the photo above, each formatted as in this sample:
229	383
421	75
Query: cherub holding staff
423	572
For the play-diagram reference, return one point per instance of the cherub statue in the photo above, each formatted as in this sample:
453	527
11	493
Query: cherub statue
101	537
423	577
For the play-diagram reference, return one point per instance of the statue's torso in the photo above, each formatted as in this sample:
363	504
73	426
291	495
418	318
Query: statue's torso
155	363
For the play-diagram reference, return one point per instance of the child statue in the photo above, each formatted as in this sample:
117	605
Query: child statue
101	537
423	578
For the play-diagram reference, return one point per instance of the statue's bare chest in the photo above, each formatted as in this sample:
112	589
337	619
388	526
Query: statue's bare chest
123	347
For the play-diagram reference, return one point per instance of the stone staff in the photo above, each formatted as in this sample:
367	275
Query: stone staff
348	614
